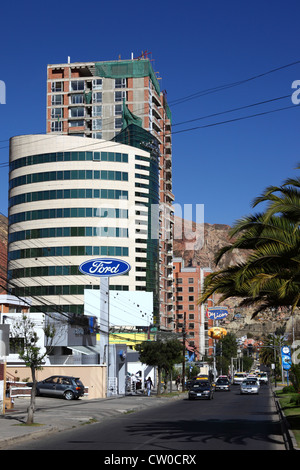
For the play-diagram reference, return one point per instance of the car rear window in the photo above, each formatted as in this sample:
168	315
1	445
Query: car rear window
201	384
78	382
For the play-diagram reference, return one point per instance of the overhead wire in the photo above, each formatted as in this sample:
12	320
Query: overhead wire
212	90
106	147
221	87
232	84
69	278
235	119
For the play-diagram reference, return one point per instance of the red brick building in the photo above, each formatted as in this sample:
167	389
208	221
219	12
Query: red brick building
189	315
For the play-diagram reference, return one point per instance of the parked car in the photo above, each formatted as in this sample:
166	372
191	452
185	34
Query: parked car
239	377
60	386
222	383
263	378
249	386
201	389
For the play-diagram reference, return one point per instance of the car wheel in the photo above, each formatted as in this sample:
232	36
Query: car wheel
69	395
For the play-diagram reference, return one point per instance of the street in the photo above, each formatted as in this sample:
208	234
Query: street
228	422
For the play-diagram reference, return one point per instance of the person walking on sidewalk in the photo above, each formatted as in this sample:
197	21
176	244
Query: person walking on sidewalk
149	386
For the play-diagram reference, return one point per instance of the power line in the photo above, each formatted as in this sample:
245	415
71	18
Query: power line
230	85
234	120
113	144
215	89
232	110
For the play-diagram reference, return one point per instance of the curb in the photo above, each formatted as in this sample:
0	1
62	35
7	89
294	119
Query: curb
29	435
48	429
289	437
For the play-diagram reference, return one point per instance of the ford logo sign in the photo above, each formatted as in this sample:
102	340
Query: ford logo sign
104	267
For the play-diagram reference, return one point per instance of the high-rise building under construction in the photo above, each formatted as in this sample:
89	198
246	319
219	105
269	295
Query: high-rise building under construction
113	103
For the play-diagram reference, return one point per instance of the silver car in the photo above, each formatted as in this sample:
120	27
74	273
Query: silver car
239	377
249	386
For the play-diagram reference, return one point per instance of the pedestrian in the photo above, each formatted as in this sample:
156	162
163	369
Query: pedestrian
177	381
149	386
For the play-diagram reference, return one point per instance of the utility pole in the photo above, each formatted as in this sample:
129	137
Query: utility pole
183	351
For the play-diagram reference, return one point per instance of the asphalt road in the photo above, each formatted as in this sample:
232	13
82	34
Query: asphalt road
228	422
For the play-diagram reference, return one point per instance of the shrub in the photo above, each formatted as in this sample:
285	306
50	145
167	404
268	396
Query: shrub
295	376
289	389
295	400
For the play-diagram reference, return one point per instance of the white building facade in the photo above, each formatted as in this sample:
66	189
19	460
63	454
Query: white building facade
72	199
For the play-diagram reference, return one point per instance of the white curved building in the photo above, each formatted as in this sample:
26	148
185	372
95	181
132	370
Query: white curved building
72	199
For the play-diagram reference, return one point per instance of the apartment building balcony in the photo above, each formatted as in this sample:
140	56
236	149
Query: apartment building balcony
168	139
168	184
169	196
168	146
156	100
156	114
168	175
168	125
156	128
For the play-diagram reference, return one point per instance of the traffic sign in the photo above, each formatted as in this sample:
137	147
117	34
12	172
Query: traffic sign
286	357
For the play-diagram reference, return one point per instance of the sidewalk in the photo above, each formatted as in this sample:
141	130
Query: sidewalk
54	415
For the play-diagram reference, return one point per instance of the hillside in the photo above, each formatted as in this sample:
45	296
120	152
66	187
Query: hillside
197	244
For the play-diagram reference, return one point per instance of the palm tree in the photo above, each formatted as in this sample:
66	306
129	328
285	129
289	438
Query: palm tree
270	276
283	199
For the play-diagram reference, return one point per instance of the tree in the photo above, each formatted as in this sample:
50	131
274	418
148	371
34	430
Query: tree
161	354
282	199
226	349
295	376
24	329
271	351
270	276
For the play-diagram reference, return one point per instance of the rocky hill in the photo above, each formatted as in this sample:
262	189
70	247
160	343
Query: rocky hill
197	244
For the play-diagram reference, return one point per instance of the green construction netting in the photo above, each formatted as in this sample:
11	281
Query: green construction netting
88	97
130	118
168	112
127	68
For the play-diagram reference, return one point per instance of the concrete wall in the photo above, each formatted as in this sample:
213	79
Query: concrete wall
93	377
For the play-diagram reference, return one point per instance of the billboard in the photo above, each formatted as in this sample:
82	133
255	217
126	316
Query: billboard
216	313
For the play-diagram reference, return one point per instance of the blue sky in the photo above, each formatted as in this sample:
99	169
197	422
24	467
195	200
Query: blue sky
194	46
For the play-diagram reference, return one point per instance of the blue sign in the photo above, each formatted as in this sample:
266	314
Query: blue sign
104	267
190	356
216	313
286	358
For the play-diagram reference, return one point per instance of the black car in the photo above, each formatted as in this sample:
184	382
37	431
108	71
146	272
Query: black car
201	390
60	386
